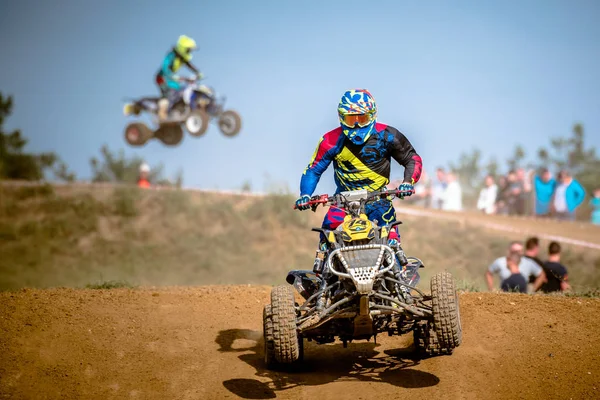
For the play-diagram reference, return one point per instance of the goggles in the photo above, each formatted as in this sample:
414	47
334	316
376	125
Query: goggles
351	120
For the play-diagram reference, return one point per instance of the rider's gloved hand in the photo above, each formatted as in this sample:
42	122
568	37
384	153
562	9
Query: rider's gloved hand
406	189
199	76
302	202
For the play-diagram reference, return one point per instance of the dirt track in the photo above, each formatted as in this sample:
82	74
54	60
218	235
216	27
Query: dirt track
206	343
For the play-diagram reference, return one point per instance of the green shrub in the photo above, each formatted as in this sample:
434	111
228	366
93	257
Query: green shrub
26	192
125	202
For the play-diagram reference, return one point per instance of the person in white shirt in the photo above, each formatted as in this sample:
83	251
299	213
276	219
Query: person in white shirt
527	268
452	194
568	196
438	187
487	196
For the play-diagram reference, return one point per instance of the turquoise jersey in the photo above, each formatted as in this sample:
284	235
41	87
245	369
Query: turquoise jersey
170	65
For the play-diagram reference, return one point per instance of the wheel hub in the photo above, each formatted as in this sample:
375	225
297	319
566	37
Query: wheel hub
133	134
193	124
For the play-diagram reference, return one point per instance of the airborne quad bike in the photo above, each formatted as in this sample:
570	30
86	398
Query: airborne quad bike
196	108
359	290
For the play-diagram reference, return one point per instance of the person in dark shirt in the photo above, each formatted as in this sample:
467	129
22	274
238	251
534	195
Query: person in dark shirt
556	273
532	251
516	281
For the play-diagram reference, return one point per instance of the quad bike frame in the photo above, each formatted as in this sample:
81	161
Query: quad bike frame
356	297
194	111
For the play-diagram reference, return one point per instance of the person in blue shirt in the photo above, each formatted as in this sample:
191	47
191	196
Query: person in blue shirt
595	203
544	186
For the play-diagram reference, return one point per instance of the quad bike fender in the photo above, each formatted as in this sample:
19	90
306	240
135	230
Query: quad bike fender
304	281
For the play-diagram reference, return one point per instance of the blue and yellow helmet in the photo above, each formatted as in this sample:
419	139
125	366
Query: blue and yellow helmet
357	112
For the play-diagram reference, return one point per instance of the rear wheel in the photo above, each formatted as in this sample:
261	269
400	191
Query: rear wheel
137	134
230	123
197	122
282	342
170	134
446	314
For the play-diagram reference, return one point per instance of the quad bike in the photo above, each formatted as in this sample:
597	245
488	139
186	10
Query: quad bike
197	106
358	289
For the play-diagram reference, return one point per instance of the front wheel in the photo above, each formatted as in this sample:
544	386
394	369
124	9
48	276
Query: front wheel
170	134
282	343
230	123
446	312
137	134
197	122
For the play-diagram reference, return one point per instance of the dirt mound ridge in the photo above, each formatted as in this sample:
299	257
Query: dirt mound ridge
206	343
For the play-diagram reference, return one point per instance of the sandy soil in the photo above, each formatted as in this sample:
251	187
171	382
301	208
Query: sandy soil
206	343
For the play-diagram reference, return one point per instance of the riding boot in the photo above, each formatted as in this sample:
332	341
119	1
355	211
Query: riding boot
163	109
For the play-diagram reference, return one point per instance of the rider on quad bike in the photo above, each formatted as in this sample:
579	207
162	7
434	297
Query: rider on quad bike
168	82
361	149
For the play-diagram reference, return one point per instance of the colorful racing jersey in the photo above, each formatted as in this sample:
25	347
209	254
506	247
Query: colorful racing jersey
364	166
170	65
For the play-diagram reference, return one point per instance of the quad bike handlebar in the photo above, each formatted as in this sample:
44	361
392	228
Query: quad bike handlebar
340	199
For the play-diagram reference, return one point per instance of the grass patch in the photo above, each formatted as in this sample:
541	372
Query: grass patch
465	285
586	292
125	202
110	285
27	192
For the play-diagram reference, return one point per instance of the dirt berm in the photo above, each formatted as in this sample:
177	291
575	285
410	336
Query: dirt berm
206	343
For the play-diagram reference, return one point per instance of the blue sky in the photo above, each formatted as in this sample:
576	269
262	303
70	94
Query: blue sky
451	75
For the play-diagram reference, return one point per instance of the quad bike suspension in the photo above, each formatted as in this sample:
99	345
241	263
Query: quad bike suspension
402	290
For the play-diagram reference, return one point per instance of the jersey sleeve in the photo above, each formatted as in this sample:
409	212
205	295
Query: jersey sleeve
322	157
192	67
405	154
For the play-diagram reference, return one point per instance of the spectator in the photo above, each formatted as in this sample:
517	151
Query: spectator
422	191
502	197
524	188
556	273
514	191
544	186
516	281
487	196
532	251
143	181
568	196
438	187
453	194
595	204
526	268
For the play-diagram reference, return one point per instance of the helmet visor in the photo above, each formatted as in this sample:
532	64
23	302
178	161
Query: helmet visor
351	120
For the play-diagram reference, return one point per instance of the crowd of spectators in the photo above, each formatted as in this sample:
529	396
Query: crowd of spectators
443	192
542	195
519	192
522	270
